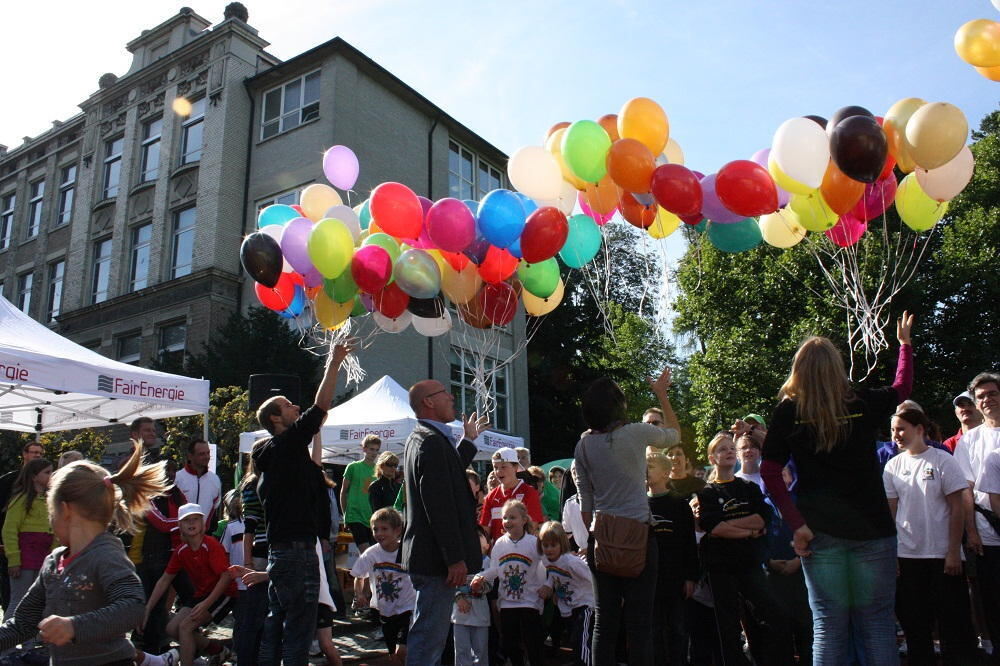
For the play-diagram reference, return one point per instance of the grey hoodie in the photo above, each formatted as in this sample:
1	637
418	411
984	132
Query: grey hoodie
98	589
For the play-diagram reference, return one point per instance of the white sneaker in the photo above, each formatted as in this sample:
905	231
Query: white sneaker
314	649
171	657
987	645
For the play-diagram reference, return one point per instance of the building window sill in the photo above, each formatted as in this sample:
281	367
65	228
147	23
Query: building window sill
142	186
287	131
184	168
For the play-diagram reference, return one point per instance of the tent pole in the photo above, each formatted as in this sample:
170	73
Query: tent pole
204	427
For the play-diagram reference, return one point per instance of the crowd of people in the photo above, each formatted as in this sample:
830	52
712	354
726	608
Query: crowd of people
811	541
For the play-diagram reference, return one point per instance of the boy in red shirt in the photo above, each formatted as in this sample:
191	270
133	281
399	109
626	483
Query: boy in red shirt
506	467
206	563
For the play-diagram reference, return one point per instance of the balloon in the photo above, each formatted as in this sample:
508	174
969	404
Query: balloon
456	260
342	288
451	225
294	244
917	210
785	183
553	144
819	120
847	231
585	146
644	120
876	200
461	285
330	245
473	315
544	234
392	325
391	300
566	201
630	165
582	241
844	113
365	213
859	147
801	150
346	215
782	228
429	308
676	189
261	258
397	210
814	213
340	166
665	224
417	274
761	158
275	214
535	172
693	220
312	278
945	182
936	133
712	207
330	313
498	265
371	268
746	188
501	217
978	43
477	250
839	191
362	303
536	307
433	327
280	296
609	121
673	153
384	241
317	199
540	279
602	199
298	304
275	231
499	302
738	237
555	128
991	73
894	124
636	213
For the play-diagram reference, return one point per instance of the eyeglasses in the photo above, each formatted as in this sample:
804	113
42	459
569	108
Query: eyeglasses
656	423
390	464
431	395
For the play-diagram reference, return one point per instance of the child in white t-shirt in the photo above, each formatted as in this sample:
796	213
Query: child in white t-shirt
569	583
471	615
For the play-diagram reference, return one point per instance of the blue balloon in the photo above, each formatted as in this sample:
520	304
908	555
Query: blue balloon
501	217
582	243
298	303
472	205
276	214
477	249
515	248
529	204
736	237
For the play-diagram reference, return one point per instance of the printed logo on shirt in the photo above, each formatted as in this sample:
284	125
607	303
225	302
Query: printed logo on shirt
514	575
388	580
928	474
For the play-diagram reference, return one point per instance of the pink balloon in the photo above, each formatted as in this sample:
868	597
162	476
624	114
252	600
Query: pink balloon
424	242
876	200
847	231
451	225
340	165
371	268
591	213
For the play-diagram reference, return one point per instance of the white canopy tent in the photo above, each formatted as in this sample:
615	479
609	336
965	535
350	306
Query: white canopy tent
382	409
49	383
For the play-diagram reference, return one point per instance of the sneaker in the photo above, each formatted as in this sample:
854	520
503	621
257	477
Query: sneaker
221	657
171	657
314	649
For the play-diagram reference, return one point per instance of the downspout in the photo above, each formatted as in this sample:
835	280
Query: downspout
246	181
430	195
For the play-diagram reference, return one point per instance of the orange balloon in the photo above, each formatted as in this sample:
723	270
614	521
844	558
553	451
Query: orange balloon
839	191
555	128
554	145
991	73
609	121
644	120
472	313
631	165
894	125
637	214
603	195
312	291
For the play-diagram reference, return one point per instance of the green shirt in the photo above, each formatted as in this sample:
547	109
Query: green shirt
550	502
359	476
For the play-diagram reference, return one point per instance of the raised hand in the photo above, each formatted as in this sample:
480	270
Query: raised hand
475	424
661	384
904	326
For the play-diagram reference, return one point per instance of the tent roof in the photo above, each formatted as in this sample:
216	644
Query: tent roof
383	401
49	383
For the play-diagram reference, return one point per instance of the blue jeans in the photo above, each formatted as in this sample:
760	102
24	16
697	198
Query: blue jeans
852	588
248	623
431	620
293	597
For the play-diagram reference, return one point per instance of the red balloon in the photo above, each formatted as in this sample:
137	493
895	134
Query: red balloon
544	234
499	302
301	212
692	219
746	188
397	210
456	260
677	189
371	268
890	161
472	312
391	300
498	265
281	295
637	214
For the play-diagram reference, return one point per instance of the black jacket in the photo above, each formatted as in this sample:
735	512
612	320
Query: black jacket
440	508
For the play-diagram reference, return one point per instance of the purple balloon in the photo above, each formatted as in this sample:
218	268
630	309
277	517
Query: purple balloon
313	278
698	174
877	198
294	244
340	165
451	225
761	157
424	242
711	206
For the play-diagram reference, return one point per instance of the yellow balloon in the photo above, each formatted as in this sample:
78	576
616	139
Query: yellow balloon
461	286
673	152
665	224
782	228
978	43
317	199
554	145
991	73
785	182
438	258
644	120
536	307
894	125
917	210
330	313
936	133
814	214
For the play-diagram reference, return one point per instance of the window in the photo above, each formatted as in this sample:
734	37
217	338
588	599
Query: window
35	208
464	367
183	242
469	176
129	347
139	267
287	198
102	271
57	271
288	106
151	132
171	344
489	179
112	166
67	184
193	133
24	284
7	219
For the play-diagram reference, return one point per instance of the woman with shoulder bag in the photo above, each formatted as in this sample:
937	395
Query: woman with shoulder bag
611	470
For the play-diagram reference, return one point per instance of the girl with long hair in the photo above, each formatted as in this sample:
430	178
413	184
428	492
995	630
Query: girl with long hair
27	535
842	526
383	490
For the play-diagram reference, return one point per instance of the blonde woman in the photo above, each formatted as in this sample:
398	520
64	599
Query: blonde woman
842	526
384	489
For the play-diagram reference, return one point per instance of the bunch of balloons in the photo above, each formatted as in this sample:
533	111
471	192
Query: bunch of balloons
978	43
398	256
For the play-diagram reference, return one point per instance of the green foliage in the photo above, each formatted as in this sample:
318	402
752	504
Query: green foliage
91	443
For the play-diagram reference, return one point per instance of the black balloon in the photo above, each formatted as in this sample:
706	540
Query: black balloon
859	147
819	120
429	308
261	258
846	112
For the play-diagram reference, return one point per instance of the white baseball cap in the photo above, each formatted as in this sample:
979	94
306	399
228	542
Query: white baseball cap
189	509
507	454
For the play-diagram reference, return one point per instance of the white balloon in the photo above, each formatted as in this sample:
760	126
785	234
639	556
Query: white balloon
801	149
275	231
432	327
782	228
673	153
535	172
996	3
947	181
392	325
346	215
566	201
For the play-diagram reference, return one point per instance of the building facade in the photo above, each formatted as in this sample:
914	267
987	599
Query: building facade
121	226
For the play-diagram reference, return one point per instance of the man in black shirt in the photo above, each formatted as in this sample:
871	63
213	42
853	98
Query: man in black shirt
297	513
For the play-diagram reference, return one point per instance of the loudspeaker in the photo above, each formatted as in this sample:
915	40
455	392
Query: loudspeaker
262	387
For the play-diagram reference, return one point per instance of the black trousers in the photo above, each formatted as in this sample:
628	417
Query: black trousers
925	595
729	588
670	634
522	634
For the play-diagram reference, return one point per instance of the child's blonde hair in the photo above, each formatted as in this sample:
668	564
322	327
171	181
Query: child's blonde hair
519	505
110	499
658	460
553	532
721	437
383	458
388	515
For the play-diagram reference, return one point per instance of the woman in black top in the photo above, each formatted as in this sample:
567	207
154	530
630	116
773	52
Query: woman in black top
681	483
383	490
733	515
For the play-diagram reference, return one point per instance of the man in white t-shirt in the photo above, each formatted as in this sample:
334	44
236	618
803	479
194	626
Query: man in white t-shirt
199	484
971	454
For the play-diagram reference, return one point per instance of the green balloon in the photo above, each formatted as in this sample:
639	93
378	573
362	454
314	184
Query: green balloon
365	216
359	308
539	279
585	147
702	226
341	288
330	247
735	237
386	242
582	243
